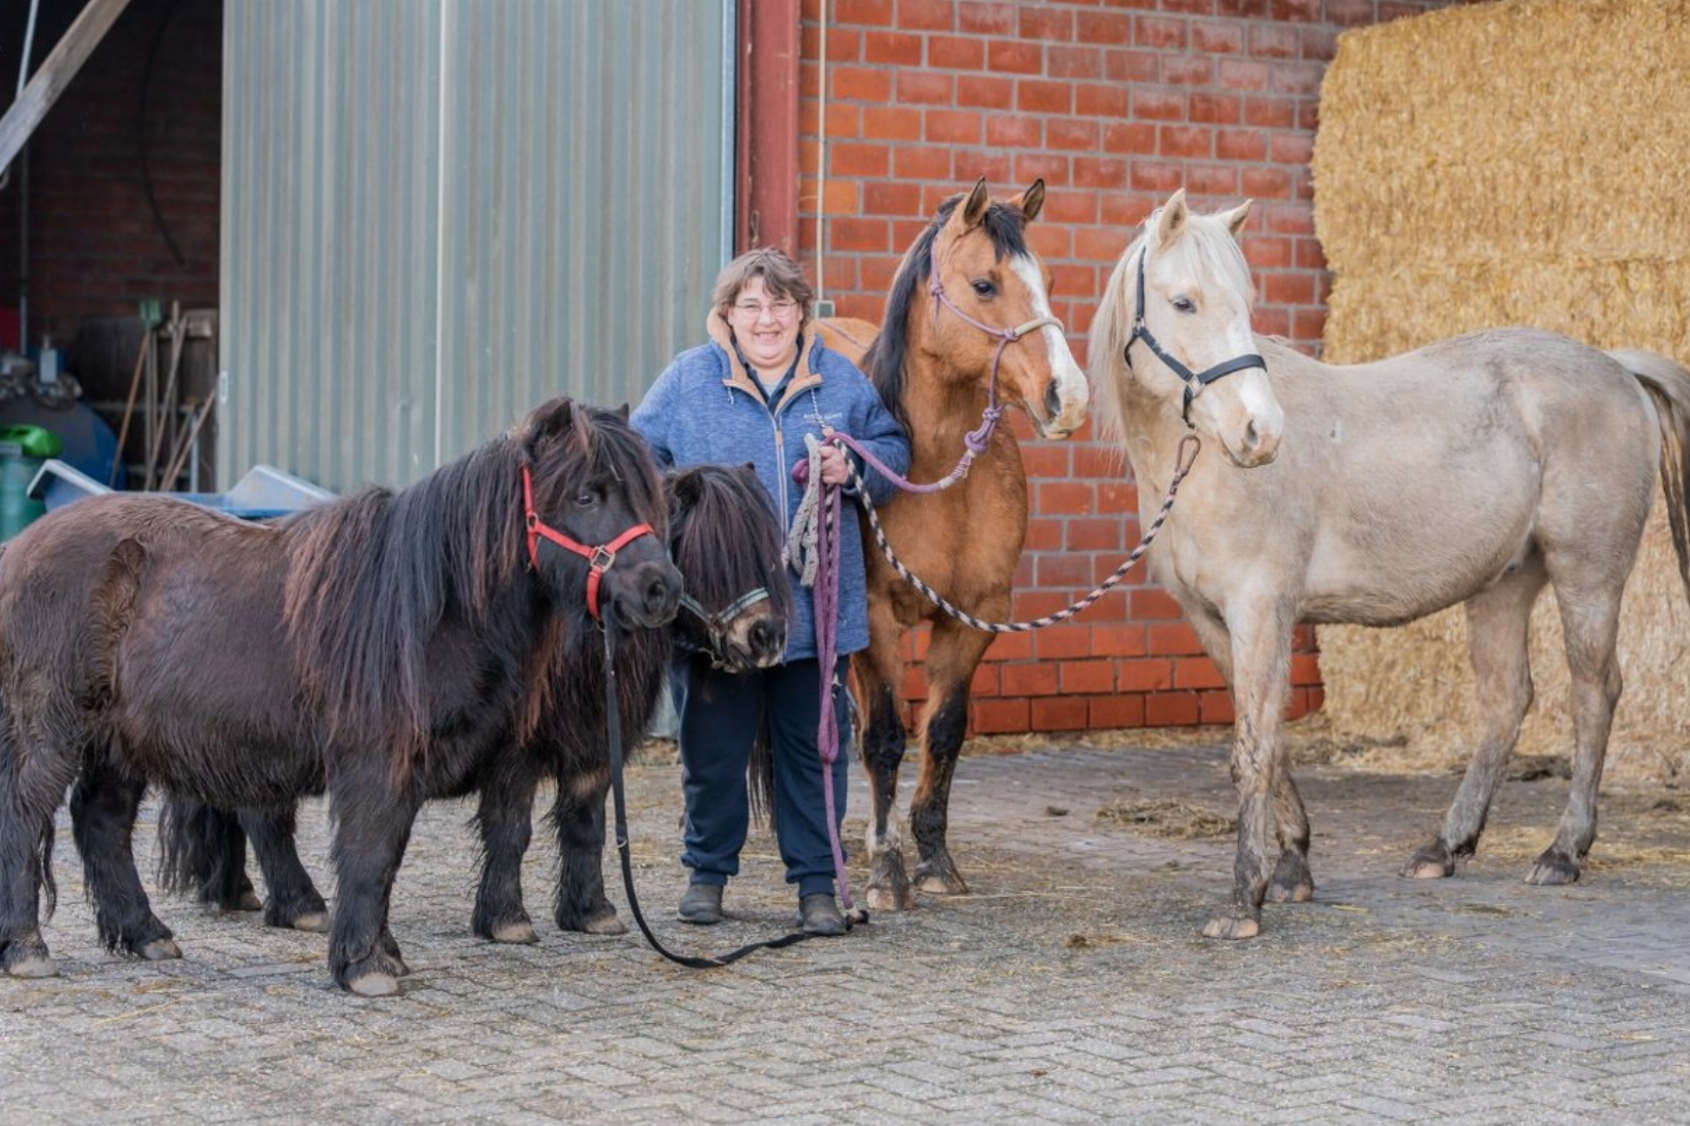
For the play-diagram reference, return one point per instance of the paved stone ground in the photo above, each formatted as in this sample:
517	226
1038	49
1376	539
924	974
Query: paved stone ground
1071	987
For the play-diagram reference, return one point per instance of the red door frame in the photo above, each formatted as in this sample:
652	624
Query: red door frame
766	125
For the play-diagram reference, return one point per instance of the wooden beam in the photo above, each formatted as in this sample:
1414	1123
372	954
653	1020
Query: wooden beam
767	160
55	74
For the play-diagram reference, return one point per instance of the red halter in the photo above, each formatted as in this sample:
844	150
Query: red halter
598	558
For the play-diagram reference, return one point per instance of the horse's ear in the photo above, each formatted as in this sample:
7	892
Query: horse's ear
1235	218
1170	218
622	411
683	485
551	418
1031	201
974	209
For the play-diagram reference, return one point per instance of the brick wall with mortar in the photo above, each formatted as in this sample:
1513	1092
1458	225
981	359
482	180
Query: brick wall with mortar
1115	104
141	118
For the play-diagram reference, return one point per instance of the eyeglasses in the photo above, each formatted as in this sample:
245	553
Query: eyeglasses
779	309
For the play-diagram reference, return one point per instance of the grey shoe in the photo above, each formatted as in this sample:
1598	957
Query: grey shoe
818	914
701	905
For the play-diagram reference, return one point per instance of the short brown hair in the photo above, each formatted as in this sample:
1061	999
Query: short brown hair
782	277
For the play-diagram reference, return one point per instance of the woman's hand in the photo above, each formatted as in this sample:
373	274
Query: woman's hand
835	464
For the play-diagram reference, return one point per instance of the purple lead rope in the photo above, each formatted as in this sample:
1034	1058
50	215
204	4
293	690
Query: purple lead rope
826	599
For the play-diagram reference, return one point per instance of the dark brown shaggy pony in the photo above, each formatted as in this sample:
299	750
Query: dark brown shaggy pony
391	646
725	539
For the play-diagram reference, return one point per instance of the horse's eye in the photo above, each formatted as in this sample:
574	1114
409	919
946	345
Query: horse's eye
983	287
586	498
1184	305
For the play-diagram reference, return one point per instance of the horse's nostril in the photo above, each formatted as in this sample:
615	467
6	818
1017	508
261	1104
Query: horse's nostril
1053	400
659	592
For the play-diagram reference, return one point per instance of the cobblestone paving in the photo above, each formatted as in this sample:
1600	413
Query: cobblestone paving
1071	987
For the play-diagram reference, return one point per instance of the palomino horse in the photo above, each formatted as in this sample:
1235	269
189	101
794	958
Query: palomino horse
968	322
393	646
1475	470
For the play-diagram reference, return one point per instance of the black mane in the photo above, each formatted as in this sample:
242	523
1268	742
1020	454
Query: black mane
371	576
883	363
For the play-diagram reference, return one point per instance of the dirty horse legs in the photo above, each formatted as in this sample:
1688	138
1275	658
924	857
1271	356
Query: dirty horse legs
1498	620
504	819
102	809
953	653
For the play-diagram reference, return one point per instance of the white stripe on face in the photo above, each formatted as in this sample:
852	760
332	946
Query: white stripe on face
1071	388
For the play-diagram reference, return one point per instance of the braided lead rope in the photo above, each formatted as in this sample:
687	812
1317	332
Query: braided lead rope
1183	463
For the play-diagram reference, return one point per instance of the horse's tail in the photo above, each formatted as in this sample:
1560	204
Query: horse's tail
760	776
1668	384
202	851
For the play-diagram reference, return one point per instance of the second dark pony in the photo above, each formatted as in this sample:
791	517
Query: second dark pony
390	646
725	539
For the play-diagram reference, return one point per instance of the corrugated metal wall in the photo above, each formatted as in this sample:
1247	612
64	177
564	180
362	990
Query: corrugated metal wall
437	213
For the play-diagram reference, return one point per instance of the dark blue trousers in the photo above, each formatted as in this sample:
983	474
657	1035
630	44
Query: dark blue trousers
720	714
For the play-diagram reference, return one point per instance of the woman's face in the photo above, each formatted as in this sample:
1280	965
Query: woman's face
766	327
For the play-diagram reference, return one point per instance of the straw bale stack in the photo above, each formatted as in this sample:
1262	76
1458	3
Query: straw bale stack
1519	162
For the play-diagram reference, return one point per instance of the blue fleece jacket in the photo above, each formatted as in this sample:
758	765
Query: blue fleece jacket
706	407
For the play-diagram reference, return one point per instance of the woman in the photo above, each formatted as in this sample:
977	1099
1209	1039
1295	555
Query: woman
753	393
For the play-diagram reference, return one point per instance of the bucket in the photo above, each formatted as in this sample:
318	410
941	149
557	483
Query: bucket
23	449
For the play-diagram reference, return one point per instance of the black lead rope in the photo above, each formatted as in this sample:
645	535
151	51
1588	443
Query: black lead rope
613	728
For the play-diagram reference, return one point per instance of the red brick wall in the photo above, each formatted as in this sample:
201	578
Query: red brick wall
1115	104
96	246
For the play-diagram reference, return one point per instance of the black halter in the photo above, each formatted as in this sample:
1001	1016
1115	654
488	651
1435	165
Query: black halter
716	625
1194	381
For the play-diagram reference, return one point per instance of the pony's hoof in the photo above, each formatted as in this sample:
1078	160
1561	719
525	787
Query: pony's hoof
249	901
36	965
515	934
159	950
1227	926
312	922
604	924
374	985
1553	869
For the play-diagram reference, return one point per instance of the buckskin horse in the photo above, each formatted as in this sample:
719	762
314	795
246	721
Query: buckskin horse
391	646
1475	470
967	327
726	541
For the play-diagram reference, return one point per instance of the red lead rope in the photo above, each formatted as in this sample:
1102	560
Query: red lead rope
599	558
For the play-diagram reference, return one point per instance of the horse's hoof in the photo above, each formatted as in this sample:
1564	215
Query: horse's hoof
889	899
249	901
1300	892
1291	882
312	922
888	887
159	950
374	985
1433	862
604	924
1553	869
938	876
36	965
940	883
1226	926
515	934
